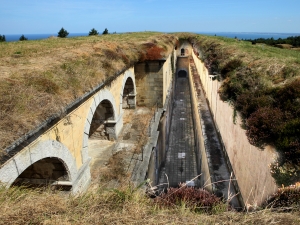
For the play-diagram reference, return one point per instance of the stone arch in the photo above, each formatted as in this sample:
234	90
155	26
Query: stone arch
128	91
13	168
182	73
103	118
47	171
103	96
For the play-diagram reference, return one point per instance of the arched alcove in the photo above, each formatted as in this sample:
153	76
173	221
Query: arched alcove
50	171
102	124
128	96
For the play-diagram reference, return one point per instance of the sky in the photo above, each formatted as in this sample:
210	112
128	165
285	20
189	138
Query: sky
80	16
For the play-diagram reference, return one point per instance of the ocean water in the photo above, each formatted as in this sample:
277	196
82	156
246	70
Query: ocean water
240	35
250	35
15	37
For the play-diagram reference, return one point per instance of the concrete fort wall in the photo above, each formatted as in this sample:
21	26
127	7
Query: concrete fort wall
153	79
67	139
250	164
202	163
154	153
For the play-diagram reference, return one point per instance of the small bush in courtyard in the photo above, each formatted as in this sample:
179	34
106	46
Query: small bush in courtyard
193	198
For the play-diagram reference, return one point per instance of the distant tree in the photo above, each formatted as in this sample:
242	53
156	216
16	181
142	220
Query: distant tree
105	31
2	38
93	32
23	38
62	33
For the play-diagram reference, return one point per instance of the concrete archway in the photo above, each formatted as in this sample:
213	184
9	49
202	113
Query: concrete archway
128	91
112	122
103	122
13	168
128	97
48	171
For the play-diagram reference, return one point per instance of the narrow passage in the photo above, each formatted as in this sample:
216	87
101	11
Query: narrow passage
180	163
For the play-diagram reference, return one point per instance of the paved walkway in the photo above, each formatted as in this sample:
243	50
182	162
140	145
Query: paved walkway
180	163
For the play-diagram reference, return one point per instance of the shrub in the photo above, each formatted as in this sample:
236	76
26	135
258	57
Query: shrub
285	197
261	126
93	32
248	102
231	66
2	38
62	33
287	97
152	53
23	38
194	198
105	31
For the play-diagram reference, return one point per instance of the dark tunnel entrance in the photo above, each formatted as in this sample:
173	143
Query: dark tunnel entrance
182	73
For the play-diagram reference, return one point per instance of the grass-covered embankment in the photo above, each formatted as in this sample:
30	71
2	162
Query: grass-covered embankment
263	85
124	205
38	79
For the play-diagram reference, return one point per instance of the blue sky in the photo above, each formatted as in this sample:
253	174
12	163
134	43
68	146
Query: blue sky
80	16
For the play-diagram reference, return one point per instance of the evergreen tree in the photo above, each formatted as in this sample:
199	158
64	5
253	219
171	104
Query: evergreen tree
105	31
2	38
93	32
62	33
23	38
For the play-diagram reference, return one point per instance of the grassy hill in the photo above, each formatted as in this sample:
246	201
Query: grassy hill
39	79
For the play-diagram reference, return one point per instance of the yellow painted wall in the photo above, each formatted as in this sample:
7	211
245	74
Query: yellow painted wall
70	130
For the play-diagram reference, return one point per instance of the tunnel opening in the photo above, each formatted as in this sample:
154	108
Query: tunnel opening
47	172
102	125
182	51
182	74
128	97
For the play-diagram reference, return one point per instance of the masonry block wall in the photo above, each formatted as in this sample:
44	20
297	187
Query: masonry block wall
149	83
153	79
250	164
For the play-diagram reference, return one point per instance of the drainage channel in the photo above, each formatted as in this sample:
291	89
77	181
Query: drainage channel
180	165
222	177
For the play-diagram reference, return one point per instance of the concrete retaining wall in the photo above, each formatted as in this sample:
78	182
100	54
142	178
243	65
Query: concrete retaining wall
250	164
155	150
202	163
